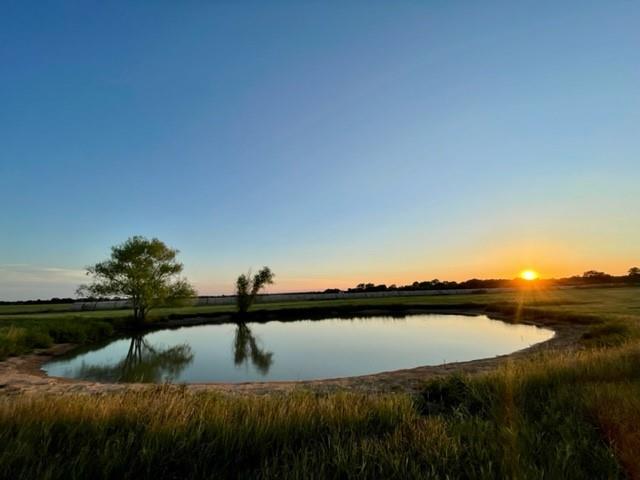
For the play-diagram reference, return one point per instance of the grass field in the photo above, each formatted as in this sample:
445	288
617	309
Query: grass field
43	308
617	301
554	415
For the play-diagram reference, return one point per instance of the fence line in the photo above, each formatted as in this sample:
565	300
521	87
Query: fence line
283	297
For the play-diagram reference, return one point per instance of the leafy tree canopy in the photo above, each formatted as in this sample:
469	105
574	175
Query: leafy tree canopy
145	271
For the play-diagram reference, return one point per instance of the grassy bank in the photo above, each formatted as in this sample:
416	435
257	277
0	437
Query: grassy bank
548	417
614	311
27	334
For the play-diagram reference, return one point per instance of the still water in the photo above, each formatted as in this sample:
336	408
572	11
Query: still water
299	350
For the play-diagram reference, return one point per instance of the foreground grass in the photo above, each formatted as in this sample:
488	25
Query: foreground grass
548	417
616	409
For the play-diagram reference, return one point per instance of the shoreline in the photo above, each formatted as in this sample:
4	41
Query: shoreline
23	374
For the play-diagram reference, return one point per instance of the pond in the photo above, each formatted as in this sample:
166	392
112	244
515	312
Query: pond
296	350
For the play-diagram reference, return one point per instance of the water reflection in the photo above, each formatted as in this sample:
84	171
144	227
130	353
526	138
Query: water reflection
152	364
143	363
305	349
245	348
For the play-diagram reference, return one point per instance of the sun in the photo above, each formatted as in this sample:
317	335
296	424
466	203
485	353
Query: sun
529	275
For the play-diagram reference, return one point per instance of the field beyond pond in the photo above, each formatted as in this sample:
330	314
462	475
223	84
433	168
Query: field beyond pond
556	414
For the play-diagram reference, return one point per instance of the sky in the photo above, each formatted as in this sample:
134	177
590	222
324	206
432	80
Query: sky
336	142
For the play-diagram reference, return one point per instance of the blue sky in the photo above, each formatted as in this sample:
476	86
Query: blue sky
337	142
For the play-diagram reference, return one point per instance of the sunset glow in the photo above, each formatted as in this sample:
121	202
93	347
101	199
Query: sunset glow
529	275
338	146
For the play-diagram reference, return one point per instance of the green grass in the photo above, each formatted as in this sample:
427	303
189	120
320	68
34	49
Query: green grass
612	302
44	308
554	415
19	337
615	408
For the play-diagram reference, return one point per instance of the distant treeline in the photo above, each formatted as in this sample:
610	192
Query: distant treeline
40	302
56	300
591	277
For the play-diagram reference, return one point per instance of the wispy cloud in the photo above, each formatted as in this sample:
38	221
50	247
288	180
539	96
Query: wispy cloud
13	273
25	281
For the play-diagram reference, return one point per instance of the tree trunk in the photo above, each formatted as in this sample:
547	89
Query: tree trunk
139	313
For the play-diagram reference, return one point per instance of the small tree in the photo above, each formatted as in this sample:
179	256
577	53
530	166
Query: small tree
247	287
142	270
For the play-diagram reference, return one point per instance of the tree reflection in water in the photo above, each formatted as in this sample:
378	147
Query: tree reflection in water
245	348
152	364
143	363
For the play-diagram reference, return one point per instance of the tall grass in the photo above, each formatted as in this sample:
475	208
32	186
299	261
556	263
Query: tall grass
616	409
538	418
19	337
541	412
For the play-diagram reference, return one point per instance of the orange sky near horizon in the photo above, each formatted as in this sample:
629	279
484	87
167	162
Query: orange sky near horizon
286	284
487	258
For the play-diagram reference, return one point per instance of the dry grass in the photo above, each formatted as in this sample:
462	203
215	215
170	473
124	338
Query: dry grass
531	419
616	408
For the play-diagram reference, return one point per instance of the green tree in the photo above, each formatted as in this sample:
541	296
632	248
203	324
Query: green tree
247	287
634	273
143	270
